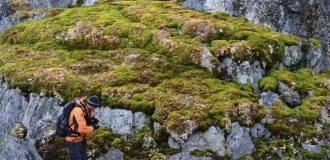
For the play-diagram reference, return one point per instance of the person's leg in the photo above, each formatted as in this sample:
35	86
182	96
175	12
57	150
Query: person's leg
84	150
76	151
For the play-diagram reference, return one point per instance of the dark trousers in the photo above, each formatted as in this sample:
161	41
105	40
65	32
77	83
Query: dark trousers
78	150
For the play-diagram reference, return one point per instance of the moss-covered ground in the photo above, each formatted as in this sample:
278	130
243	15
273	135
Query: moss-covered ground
137	55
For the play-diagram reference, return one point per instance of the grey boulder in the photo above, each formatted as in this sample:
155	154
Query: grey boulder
121	121
259	130
113	155
312	148
239	142
268	98
187	156
292	55
245	72
17	149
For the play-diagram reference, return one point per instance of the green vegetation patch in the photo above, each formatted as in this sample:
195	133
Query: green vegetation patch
289	122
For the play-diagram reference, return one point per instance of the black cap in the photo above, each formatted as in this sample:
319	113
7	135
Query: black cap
93	101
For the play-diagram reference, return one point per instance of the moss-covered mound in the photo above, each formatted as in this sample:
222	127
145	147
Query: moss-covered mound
298	122
142	56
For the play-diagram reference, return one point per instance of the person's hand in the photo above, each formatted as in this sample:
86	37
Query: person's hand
95	120
96	127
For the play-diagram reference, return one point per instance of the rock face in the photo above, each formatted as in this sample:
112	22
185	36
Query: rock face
52	3
259	130
121	121
292	55
113	155
245	72
12	148
213	139
268	98
187	156
291	98
89	2
36	113
7	9
314	57
239	141
140	120
237	144
24	116
182	136
303	18
7	22
205	59
312	148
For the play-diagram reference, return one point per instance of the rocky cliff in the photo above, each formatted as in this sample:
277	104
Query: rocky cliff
14	12
306	19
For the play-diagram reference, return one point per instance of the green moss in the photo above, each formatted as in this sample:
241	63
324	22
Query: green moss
303	80
315	42
293	121
100	140
201	153
268	84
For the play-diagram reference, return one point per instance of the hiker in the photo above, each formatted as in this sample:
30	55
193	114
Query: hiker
81	123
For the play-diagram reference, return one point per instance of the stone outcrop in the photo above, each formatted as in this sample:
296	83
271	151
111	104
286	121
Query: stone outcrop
36	113
204	58
259	130
7	8
182	135
12	148
312	148
245	72
52	3
239	141
113	155
7	22
292	55
121	121
303	18
268	98
213	139
314	56
237	144
291	97
187	156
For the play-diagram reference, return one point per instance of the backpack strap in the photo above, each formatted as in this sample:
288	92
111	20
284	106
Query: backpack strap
74	133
